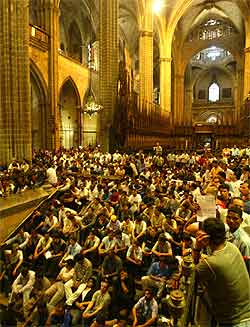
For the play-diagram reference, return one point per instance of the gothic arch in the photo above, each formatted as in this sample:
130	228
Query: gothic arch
38	76
70	114
182	7
39	108
203	72
69	79
75	41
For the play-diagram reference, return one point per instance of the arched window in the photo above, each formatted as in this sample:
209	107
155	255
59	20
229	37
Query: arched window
214	92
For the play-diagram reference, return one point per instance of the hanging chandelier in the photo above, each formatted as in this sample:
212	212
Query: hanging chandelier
91	108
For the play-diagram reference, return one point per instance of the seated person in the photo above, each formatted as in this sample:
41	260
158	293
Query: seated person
14	259
83	271
187	245
122	243
72	250
90	247
54	255
111	266
42	247
107	243
162	247
145	311
122	294
41	284
99	304
127	226
114	224
134	258
161	274
23	286
140	227
82	301
21	238
28	251
55	293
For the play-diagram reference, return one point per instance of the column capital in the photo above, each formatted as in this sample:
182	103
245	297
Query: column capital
146	33
247	50
163	59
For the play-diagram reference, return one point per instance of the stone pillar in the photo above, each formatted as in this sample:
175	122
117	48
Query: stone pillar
50	15
165	84
146	65
48	19
247	72
179	99
238	94
15	114
188	96
146	54
109	64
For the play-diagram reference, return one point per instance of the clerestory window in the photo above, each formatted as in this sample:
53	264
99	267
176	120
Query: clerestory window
214	92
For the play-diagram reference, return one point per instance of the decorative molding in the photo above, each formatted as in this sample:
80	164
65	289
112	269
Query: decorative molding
146	33
165	60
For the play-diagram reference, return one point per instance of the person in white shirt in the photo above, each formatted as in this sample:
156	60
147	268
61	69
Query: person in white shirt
55	293
23	286
21	238
140	227
52	176
234	185
235	152
135	201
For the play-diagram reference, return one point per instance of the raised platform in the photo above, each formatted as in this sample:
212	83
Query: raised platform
16	208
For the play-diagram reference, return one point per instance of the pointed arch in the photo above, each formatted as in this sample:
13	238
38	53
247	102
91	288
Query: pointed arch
39	108
70	80
38	76
70	114
214	92
75	41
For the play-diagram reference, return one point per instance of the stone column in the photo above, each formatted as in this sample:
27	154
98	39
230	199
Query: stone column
146	54
146	65
50	14
179	99
48	19
188	96
239	94
247	72
109	64
15	114
165	84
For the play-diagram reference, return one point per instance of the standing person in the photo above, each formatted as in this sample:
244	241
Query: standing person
237	235
157	149
224	275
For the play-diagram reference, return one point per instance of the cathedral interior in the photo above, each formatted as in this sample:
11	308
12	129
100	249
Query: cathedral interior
123	74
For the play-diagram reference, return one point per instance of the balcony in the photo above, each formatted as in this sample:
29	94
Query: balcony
39	38
197	105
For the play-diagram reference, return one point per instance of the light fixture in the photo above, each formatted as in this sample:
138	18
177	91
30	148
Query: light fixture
91	108
157	6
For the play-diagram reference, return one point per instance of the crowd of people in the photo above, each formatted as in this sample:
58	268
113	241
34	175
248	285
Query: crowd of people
107	249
